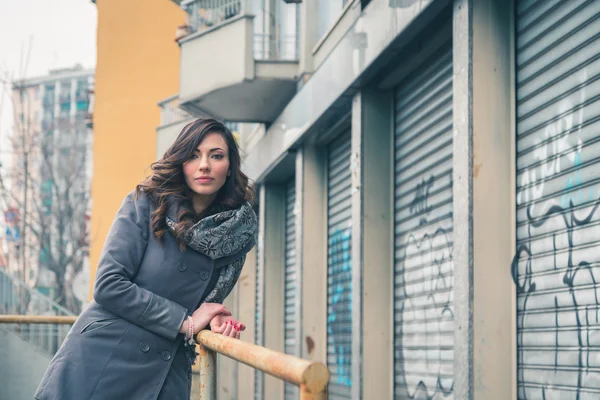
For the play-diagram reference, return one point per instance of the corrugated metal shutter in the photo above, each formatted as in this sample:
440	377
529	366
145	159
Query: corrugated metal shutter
339	269
423	283
556	267
258	323
291	296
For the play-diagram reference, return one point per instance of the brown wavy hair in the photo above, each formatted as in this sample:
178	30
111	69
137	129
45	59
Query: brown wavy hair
167	184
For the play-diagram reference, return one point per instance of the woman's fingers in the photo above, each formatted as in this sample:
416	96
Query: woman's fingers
228	328
221	328
234	330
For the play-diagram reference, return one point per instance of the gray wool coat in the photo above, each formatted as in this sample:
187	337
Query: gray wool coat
126	344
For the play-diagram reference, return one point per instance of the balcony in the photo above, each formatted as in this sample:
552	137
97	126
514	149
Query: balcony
239	60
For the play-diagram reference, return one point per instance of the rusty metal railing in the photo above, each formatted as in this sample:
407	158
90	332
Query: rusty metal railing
17	297
310	377
38	319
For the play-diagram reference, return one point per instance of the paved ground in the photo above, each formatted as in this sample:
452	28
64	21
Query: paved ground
21	368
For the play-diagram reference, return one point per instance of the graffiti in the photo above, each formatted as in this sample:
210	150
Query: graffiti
419	204
340	306
425	313
556	266
575	304
560	144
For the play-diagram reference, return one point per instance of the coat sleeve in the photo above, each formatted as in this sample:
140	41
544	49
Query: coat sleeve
121	257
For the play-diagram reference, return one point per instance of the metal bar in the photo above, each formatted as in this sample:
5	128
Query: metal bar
208	373
38	319
312	376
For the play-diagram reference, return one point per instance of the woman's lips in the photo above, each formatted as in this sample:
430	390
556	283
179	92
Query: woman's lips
204	180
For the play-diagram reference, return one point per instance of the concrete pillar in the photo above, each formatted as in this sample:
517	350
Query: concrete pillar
484	206
314	254
372	234
309	36
246	287
274	256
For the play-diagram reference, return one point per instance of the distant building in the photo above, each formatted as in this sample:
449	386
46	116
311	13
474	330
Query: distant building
48	180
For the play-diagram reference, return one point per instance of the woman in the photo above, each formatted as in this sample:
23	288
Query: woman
173	253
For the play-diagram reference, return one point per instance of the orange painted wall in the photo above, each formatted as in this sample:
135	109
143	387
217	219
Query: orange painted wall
137	65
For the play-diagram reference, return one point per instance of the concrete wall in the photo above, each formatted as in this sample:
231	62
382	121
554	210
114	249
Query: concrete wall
138	65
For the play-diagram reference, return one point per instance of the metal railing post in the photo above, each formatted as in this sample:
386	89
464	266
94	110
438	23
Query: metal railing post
207	360
305	394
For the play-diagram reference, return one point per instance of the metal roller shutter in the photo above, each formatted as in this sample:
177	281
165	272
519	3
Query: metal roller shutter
291	391
258	323
556	268
423	278
339	268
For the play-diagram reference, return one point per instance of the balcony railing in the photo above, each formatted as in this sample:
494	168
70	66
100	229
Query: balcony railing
270	47
170	111
18	298
311	377
275	33
204	14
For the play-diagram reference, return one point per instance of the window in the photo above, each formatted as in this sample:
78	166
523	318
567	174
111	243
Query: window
82	105
49	94
82	90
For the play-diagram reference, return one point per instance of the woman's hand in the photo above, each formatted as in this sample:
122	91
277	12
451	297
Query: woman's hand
203	315
227	325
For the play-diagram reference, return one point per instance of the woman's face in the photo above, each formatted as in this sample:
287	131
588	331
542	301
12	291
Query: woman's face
206	172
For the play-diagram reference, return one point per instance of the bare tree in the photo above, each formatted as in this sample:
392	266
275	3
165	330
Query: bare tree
48	183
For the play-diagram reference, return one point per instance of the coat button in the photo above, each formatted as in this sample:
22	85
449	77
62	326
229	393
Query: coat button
144	347
165	355
181	266
204	275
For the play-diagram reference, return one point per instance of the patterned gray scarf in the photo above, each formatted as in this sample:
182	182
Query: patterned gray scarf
225	237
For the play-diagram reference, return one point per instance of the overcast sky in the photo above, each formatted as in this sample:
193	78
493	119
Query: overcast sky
56	33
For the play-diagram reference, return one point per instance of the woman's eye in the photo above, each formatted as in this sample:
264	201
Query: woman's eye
194	156
218	156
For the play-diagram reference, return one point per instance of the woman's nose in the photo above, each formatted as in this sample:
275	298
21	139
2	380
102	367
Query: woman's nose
204	165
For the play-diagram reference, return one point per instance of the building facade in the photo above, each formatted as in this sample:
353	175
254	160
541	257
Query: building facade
47	188
427	190
137	66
